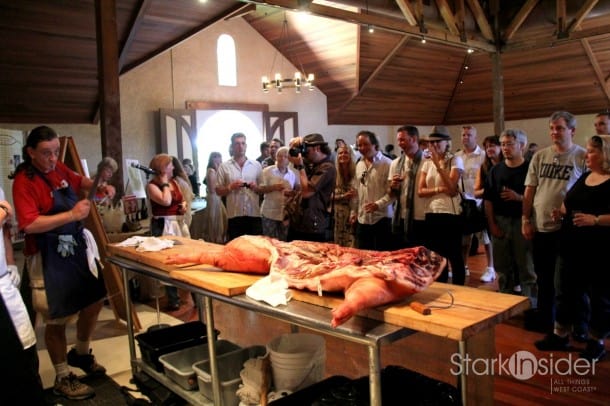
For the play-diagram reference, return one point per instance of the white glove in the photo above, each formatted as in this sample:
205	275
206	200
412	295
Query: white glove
13	273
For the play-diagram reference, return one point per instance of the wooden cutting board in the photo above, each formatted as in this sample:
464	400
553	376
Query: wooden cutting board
222	282
157	259
201	275
473	309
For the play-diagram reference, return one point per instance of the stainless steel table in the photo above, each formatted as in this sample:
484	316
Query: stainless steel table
360	330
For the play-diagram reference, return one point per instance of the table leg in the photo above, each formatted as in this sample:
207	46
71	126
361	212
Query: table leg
374	375
129	314
209	318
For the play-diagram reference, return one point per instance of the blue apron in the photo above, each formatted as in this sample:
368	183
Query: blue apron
69	284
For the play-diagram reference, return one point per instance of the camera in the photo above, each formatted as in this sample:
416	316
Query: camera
245	184
298	149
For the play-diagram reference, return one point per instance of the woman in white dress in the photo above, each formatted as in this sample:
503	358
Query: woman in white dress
214	214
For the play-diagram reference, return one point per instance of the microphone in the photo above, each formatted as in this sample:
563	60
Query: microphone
144	168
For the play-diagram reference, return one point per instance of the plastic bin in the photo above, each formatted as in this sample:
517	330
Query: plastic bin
229	367
178	365
155	343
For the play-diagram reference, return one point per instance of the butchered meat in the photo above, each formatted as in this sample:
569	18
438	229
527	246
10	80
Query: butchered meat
367	278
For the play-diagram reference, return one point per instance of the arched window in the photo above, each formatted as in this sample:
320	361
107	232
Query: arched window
227	64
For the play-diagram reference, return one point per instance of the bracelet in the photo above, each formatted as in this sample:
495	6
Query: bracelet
72	216
3	207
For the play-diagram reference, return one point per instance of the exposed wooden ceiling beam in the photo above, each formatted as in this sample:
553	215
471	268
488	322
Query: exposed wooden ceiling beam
479	16
377	70
133	30
519	19
460	16
399	26
405	7
596	67
596	32
447	15
561	18
580	15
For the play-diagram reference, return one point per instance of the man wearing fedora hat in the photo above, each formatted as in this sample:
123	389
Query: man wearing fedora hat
310	156
439	185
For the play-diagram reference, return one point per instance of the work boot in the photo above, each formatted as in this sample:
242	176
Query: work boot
70	387
85	362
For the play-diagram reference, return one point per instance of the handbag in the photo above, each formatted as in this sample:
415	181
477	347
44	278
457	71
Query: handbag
473	218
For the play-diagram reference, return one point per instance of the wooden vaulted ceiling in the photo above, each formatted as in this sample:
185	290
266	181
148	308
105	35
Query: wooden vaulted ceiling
548	54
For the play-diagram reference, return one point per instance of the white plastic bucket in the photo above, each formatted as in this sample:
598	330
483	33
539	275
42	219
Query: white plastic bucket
297	360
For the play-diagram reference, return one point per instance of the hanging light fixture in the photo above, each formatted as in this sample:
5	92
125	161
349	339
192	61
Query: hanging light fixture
298	81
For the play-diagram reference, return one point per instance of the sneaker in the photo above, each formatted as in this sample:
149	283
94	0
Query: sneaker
450	275
594	351
85	362
70	387
489	275
517	289
553	342
467	270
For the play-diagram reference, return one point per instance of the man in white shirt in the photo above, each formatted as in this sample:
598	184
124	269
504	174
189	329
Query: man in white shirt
238	180
374	208
473	157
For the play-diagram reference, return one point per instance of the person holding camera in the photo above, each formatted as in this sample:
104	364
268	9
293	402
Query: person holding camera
238	180
311	157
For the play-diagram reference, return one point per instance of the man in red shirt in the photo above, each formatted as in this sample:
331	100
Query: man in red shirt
66	282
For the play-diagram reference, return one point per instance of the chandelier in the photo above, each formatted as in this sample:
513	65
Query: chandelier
298	81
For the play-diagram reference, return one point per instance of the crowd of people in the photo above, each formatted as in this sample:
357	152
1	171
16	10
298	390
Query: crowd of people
547	211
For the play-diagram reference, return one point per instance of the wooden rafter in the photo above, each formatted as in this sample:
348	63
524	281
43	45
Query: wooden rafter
405	7
381	22
460	16
596	67
388	58
580	15
448	17
519	19
482	22
561	19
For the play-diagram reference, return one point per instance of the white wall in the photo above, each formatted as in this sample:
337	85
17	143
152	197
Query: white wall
150	87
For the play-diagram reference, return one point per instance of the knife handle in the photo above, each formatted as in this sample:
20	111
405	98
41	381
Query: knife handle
420	308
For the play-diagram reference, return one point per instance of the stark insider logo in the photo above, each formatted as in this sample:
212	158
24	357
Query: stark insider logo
522	365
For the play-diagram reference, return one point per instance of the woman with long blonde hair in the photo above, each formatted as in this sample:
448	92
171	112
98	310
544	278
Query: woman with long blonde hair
345	197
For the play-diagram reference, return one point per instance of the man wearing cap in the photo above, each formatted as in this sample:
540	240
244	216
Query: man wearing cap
438	183
374	224
310	156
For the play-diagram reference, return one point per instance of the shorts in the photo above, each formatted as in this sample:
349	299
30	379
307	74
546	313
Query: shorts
482	236
40	304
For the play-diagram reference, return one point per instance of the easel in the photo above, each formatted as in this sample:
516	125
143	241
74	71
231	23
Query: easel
112	275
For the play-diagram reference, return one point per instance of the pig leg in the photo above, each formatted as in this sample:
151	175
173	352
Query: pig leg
366	293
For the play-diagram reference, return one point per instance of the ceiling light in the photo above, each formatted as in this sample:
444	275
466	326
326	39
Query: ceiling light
423	39
466	67
299	78
470	50
371	28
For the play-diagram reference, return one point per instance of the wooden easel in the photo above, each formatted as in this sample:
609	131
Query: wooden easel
112	275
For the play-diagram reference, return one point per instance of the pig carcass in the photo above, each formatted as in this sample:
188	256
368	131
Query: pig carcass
367	278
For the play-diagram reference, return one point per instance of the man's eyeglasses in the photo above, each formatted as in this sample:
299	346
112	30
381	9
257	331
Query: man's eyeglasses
507	144
363	177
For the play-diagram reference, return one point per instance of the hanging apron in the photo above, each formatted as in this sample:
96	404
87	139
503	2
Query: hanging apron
69	284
